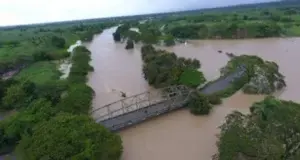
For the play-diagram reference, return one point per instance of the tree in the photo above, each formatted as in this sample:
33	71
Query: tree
169	40
80	65
58	42
271	131
199	104
52	91
4	84
162	68
15	97
68	136
149	38
41	55
129	44
133	35
78	99
22	122
214	99
117	36
192	78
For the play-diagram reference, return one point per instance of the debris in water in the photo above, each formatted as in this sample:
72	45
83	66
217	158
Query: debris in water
123	94
230	55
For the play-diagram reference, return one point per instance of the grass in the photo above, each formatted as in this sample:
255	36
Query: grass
293	31
192	78
26	47
39	73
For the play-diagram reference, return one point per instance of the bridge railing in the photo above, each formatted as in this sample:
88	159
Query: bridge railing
138	101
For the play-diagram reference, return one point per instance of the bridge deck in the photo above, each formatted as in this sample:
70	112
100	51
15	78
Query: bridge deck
140	114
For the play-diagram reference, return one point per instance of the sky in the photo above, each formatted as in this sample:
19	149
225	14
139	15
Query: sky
13	12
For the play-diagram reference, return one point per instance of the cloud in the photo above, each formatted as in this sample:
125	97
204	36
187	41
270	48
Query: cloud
35	11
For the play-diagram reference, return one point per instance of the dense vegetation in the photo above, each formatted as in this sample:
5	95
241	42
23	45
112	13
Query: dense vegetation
162	69
199	104
24	45
41	100
129	44
51	121
247	23
256	76
68	136
271	131
273	20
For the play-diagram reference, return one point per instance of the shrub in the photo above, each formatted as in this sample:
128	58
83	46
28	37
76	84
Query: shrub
214	99
129	44
199	104
191	78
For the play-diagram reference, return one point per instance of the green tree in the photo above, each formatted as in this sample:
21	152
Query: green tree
149	38
162	68
69	136
214	99
169	40
15	97
117	36
77	100
133	35
52	91
199	104
80	65
271	131
192	78
58	42
22	122
129	44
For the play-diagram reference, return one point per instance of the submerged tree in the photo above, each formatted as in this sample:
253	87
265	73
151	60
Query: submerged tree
129	44
169	40
117	36
199	104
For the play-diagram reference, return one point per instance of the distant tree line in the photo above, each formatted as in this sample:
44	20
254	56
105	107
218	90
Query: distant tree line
227	30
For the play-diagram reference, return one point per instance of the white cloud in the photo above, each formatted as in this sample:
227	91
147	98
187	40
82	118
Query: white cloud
34	11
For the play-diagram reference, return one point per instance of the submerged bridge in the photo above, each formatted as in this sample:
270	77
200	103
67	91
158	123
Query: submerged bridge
137	108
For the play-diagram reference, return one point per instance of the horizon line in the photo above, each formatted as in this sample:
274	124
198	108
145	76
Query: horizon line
142	14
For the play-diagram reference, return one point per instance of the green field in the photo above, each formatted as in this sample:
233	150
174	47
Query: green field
39	73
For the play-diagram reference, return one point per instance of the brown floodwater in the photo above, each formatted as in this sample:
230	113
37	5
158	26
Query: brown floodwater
180	135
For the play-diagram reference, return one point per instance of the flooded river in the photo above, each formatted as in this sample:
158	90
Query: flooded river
180	135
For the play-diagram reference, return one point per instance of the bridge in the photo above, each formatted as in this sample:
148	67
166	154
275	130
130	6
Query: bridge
137	108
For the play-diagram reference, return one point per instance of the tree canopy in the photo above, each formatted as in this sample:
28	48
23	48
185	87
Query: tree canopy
271	131
257	76
162	69
69	136
199	104
129	44
58	42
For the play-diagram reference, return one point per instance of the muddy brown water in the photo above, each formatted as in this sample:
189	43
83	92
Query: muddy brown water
180	135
